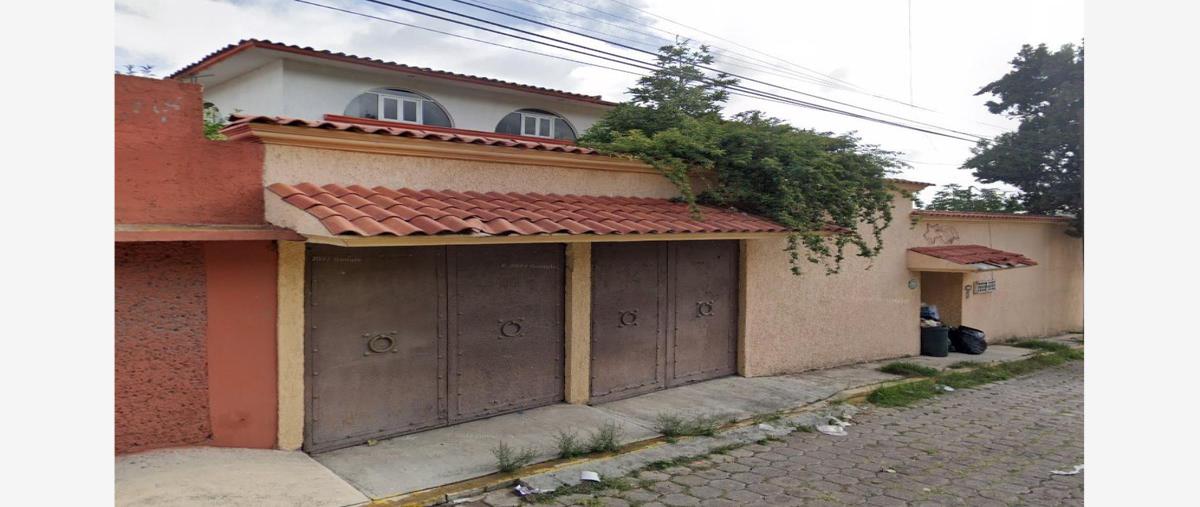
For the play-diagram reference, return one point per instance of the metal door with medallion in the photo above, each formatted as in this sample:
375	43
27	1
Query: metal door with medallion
506	328
663	314
628	333
375	343
704	293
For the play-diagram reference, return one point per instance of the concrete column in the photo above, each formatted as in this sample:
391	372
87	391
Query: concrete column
579	322
289	334
743	348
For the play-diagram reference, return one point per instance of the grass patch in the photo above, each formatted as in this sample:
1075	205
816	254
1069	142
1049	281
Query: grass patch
768	418
673	426
605	439
906	394
724	449
805	428
1042	345
509	460
908	369
963	364
569	445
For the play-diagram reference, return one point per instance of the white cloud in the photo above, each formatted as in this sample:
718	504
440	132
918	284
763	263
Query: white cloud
957	48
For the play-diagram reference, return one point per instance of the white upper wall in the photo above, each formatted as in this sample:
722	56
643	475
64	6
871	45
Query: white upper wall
310	90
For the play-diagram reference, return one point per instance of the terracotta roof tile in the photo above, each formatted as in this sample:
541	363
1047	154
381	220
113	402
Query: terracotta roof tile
236	121
230	50
402	212
975	254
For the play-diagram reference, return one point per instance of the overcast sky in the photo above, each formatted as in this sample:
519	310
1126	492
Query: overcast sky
957	47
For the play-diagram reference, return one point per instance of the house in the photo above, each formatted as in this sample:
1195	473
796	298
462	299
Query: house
379	249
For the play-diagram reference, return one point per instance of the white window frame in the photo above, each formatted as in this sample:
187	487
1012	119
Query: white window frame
537	124
400	100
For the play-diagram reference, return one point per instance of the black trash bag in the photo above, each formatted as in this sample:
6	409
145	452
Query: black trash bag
930	312
967	340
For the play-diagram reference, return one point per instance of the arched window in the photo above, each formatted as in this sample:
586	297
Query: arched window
398	105
536	123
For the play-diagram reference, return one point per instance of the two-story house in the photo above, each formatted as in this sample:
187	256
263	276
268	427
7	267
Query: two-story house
402	249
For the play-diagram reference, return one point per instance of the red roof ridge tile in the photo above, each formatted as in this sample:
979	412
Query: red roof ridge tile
244	44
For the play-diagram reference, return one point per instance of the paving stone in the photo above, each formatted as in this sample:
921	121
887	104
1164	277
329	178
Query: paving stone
502	498
679	500
1020	429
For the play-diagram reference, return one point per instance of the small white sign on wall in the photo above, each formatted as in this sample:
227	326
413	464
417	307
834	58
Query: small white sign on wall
985	287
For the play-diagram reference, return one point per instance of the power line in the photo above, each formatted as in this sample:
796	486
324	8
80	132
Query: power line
835	79
638	64
809	75
440	32
548	25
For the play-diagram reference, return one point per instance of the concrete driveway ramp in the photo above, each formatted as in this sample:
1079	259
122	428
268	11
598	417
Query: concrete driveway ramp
210	476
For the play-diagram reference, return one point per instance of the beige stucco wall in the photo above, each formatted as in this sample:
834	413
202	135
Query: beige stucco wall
1041	300
815	321
293	164
945	290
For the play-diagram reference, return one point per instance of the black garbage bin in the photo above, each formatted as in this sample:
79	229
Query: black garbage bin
935	341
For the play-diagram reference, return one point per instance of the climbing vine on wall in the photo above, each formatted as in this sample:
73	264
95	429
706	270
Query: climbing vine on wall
829	190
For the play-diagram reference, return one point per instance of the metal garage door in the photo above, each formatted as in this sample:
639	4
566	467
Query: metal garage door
401	339
506	328
663	314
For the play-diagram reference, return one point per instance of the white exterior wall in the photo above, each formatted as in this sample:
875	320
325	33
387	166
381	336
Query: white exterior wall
310	91
259	91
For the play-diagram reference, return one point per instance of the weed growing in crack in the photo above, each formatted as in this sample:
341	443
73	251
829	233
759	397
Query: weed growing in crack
905	369
569	445
605	439
509	459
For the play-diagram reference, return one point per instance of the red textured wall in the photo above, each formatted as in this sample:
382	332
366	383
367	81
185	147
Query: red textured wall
241	342
167	172
161	377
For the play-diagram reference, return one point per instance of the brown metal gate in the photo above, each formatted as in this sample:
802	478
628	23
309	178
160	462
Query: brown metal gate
704	291
663	314
506	328
401	339
376	342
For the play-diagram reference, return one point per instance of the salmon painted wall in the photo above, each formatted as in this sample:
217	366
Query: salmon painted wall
167	172
161	385
241	342
195	321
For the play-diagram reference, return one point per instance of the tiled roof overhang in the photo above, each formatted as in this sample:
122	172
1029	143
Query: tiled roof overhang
989	216
238	126
964	258
245	44
357	211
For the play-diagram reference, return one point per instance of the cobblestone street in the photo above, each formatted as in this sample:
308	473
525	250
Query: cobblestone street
993	445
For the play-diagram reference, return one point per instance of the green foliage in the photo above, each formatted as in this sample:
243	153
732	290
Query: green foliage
1044	157
605	439
906	394
1042	345
673	426
908	369
509	460
213	122
956	198
802	179
569	445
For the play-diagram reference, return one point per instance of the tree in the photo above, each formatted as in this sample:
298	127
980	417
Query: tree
956	198
1044	156
802	179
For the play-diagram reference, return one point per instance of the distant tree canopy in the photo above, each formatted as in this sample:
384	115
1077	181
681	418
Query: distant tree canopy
957	198
1044	156
802	179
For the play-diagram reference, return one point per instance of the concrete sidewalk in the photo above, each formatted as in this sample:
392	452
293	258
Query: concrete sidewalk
411	463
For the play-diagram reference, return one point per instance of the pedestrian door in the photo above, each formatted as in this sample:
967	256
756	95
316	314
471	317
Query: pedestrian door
401	339
663	314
